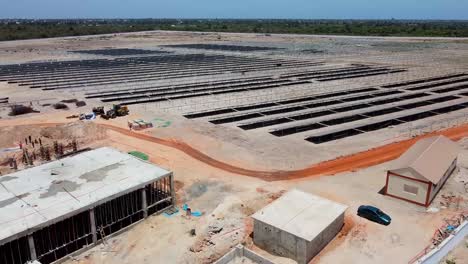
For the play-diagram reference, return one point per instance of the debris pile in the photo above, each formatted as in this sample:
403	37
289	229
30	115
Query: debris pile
450	225
80	103
21	110
69	101
451	201
224	229
139	124
60	106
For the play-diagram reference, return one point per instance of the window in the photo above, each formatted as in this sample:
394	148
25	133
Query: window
410	189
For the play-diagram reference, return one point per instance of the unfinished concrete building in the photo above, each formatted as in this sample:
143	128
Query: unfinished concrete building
53	210
241	254
419	174
298	225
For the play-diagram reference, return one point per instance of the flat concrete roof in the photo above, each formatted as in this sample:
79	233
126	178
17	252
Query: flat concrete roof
36	197
301	214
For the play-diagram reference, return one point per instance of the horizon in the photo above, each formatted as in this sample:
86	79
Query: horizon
242	9
227	18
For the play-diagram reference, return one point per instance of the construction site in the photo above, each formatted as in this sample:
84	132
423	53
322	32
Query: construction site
186	147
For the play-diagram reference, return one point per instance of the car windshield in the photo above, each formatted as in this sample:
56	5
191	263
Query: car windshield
380	212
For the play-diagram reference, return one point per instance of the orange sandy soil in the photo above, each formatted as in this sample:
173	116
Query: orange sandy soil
357	238
343	164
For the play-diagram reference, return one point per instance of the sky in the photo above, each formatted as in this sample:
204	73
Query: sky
295	9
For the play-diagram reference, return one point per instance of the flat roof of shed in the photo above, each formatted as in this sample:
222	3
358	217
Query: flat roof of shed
34	197
301	214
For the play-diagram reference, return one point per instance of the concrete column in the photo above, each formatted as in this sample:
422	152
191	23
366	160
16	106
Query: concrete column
32	248
144	203
92	221
171	177
239	251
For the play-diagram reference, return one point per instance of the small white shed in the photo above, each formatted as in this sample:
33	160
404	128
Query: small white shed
298	225
419	173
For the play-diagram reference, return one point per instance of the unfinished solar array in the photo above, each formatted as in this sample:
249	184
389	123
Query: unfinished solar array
339	113
86	75
320	118
171	92
222	47
89	227
120	52
89	73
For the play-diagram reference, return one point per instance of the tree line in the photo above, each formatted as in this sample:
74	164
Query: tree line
29	29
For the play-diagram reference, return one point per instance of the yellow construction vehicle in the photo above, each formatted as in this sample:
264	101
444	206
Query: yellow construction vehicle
121	110
117	110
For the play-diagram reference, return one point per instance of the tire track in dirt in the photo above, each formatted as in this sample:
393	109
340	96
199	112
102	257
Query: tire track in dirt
352	162
347	163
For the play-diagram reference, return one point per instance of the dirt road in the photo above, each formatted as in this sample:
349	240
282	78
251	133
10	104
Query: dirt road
347	163
343	164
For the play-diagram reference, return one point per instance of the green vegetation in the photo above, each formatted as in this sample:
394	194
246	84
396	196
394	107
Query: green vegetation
139	155
27	29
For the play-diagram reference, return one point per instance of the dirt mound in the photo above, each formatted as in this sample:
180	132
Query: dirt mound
83	132
79	130
21	110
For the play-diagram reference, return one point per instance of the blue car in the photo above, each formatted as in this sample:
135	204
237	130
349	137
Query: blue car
374	214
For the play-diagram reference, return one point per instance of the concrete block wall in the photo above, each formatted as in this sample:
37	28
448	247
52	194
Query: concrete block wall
240	251
279	242
315	246
228	257
284	244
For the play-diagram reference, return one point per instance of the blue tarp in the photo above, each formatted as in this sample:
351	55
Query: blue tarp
194	213
166	214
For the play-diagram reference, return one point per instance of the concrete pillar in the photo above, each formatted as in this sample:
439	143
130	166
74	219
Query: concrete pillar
92	221
144	203
171	177
32	248
239	251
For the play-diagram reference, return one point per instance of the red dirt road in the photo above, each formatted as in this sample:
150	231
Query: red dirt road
348	163
343	164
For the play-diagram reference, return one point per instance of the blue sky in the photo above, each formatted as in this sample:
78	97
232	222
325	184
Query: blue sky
312	9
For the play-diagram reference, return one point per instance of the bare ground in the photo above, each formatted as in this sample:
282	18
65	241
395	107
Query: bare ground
227	199
228	174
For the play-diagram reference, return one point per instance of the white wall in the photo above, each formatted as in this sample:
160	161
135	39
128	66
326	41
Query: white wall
327	235
240	251
279	243
447	174
438	253
396	188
